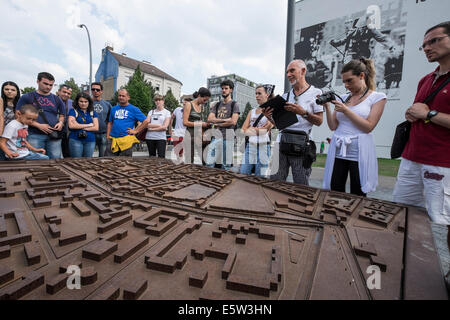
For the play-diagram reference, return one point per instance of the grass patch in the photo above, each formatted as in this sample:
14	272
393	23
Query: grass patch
386	167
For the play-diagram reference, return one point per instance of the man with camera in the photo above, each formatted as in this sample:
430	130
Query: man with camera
424	175
46	131
301	100
120	134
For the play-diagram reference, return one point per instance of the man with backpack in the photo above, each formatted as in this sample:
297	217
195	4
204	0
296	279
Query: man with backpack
224	116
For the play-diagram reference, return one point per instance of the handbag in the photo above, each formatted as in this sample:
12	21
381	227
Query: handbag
293	143
54	135
310	154
403	130
141	135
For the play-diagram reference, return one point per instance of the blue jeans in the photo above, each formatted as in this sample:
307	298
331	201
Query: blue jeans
52	147
2	155
221	157
256	157
100	142
33	156
81	149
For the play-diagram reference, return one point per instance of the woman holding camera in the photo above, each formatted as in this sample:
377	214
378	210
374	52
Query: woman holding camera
352	148
83	123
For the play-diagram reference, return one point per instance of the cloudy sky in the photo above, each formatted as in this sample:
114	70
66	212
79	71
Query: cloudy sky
189	39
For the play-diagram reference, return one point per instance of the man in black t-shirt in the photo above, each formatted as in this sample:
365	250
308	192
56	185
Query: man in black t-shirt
224	116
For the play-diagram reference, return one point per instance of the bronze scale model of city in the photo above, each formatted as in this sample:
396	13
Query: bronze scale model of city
152	230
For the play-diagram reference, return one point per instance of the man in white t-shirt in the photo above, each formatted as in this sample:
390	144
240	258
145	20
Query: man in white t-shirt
177	134
301	101
156	137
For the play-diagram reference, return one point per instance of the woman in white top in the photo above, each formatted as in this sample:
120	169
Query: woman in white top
352	148
156	137
257	126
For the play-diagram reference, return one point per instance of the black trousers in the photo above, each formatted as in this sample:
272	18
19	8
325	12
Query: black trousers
156	146
340	174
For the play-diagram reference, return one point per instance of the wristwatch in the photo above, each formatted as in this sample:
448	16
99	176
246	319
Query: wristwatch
306	115
430	115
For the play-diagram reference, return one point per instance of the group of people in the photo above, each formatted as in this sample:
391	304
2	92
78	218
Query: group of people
40	125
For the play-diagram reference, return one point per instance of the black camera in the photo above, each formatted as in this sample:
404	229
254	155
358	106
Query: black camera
326	97
82	134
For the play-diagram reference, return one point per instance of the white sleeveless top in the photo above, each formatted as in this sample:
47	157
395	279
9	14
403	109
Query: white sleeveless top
262	138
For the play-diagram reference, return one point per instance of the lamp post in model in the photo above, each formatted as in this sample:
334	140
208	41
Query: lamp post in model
90	56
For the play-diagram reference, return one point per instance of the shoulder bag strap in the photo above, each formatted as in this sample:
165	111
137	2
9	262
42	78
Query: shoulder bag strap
258	120
435	92
41	111
217	108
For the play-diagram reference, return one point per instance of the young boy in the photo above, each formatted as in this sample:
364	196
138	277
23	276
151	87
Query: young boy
13	141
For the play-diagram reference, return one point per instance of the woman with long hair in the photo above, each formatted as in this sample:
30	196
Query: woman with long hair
83	123
193	121
352	148
10	94
257	127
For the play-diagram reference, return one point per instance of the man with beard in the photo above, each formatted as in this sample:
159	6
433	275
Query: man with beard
301	100
224	116
424	175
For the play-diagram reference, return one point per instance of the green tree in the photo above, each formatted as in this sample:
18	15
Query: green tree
241	120
27	90
170	102
141	92
75	88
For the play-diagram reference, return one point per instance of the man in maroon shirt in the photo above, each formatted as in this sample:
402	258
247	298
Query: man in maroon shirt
424	175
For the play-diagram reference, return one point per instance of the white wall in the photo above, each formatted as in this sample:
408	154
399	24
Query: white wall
420	16
163	84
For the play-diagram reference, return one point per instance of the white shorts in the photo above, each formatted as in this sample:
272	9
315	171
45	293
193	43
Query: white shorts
425	186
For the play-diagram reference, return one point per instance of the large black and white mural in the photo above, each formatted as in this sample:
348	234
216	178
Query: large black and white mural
377	33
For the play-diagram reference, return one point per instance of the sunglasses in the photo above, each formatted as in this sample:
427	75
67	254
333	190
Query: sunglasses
96	90
431	42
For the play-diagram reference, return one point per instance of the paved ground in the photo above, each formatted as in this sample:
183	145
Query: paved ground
383	192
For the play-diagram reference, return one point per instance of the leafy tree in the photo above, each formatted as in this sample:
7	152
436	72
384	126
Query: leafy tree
141	92
170	102
75	88
27	90
241	120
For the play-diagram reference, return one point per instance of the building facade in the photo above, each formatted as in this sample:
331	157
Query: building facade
116	69
243	93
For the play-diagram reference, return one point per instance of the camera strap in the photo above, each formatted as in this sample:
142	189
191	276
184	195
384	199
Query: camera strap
350	96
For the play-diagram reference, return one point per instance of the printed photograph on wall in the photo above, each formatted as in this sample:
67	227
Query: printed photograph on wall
327	46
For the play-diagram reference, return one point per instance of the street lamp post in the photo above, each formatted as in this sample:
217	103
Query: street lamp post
90	56
289	39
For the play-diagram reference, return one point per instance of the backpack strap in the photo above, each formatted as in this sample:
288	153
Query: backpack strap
217	108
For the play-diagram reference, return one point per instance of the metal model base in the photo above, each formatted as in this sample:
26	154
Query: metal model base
149	229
